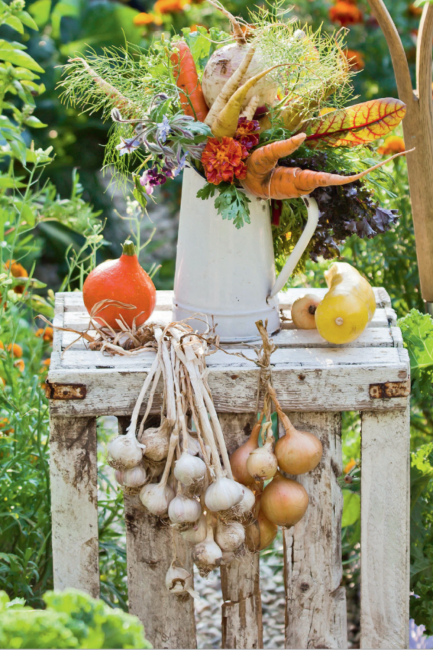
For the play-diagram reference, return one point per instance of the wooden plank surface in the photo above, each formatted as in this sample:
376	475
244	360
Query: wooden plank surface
168	619
315	599
240	581
385	527
74	504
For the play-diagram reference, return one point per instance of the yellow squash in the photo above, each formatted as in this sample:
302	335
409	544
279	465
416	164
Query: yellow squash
348	307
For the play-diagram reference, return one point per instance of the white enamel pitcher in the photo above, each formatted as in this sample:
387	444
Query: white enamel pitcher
225	276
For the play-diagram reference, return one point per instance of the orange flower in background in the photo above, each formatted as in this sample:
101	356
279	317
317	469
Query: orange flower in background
143	19
222	160
169	6
17	271
350	465
16	350
3	381
355	60
46	334
4	431
345	13
414	11
2	347
20	365
393	144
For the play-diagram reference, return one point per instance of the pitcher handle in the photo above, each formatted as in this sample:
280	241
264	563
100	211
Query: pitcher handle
304	240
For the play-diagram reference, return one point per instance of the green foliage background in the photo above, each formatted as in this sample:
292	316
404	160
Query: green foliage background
51	220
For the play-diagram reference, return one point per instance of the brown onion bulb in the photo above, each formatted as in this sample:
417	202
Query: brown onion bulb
297	452
304	310
284	501
260	534
238	459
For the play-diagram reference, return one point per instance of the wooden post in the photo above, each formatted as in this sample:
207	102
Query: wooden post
418	131
315	599
240	580
168	619
385	527
74	503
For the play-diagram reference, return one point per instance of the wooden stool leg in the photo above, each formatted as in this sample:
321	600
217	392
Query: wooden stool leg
315	600
385	525
74	503
168	619
240	580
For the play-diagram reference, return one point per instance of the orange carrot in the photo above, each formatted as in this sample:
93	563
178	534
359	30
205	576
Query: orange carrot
185	73
267	181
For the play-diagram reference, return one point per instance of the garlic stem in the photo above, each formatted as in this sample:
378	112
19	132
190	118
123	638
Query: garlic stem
130	432
169	384
173	443
150	400
180	408
199	402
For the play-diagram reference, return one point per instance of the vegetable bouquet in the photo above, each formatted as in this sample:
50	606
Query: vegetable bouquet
259	111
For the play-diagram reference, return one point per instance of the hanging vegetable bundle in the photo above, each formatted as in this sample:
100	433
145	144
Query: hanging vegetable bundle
260	110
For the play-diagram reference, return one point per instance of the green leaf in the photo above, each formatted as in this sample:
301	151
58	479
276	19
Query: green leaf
7	182
27	20
40	11
232	204
20	58
139	193
34	122
417	330
206	192
351	508
15	23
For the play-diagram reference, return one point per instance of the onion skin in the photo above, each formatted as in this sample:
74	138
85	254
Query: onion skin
260	534
284	501
298	452
304	310
238	459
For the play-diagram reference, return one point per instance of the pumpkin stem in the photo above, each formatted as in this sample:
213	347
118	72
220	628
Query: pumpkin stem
128	248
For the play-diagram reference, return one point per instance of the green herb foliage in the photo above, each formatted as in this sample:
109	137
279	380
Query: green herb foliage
231	204
71	619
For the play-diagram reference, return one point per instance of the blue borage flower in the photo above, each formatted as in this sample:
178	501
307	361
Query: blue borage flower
127	145
163	129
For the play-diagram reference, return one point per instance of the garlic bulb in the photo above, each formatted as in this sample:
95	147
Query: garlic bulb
229	536
132	478
223	494
124	452
156	497
207	555
262	463
156	442
197	533
248	501
228	557
193	445
183	510
179	581
189	469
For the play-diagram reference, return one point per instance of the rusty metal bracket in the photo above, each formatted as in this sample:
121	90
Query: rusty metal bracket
65	391
390	389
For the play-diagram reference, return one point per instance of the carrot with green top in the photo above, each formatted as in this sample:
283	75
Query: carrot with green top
185	73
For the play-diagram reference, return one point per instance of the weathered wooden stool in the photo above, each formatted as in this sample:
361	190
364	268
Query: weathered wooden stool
315	382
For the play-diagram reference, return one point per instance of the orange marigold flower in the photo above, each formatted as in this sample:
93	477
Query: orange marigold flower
20	365
393	144
4	422
46	334
169	6
16	350
222	160
143	19
345	13
350	465
355	60
17	271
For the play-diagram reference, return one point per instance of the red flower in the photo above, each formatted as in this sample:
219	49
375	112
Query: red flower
247	134
345	13
222	160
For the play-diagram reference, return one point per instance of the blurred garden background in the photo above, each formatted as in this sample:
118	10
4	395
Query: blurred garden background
60	214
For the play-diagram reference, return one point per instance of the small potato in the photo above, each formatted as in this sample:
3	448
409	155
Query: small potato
303	312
